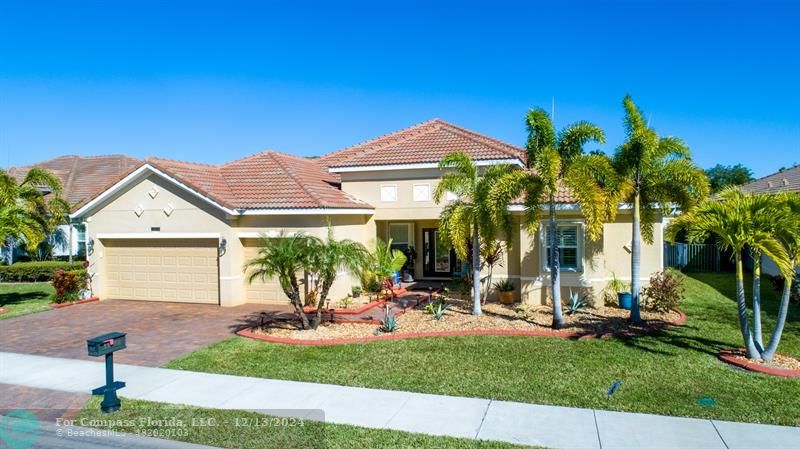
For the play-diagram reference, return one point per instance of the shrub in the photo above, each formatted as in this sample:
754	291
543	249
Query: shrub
506	285
664	293
35	271
67	285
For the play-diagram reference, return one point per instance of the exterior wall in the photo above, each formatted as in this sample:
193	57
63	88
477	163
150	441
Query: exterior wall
191	215
366	187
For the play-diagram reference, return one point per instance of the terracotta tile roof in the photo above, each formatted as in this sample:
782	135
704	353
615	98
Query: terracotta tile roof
426	142
782	181
268	180
83	177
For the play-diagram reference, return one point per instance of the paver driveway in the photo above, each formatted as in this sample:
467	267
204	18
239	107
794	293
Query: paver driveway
157	332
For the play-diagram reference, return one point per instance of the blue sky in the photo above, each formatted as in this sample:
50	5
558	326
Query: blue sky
214	81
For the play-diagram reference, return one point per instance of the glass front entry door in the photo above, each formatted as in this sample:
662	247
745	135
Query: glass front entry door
438	259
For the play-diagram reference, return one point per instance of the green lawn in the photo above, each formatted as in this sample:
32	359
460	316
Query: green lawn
22	299
239	430
663	374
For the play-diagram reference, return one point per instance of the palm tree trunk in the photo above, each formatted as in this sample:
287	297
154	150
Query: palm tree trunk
476	270
323	296
490	268
750	347
772	346
555	267
636	260
757	301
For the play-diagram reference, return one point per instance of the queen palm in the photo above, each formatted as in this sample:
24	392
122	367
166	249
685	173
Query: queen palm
557	160
739	220
467	220
660	174
26	213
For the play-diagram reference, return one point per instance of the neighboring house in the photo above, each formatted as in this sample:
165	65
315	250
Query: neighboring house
783	181
81	178
181	231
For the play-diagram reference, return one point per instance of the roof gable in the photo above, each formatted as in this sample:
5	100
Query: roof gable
426	143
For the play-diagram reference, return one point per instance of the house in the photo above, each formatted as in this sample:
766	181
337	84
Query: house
81	178
182	231
783	181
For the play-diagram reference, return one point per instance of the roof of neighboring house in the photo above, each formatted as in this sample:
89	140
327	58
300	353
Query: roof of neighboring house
426	142
83	177
267	180
782	181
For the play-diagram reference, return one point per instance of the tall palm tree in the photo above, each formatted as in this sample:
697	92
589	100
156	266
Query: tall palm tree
738	220
660	174
283	258
327	258
467	220
557	160
26	212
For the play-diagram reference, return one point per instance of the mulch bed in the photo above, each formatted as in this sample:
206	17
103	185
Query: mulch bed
781	365
497	319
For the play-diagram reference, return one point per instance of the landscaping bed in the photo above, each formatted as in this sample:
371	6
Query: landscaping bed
781	365
458	320
61	305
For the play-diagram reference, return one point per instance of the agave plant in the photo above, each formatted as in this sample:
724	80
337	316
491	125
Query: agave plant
438	312
389	322
576	302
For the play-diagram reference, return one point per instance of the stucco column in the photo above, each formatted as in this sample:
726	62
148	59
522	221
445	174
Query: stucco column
231	277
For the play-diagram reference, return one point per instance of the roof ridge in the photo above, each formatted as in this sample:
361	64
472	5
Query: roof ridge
294	178
773	174
475	135
382	137
200	164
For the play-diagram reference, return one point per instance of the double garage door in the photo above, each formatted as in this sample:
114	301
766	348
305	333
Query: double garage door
180	270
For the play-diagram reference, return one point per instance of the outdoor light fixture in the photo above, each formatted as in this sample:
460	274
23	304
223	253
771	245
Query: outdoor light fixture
223	245
90	247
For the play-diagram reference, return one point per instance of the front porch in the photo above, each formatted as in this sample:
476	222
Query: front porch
430	259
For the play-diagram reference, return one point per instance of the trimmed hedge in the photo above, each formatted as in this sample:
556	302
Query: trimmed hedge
35	271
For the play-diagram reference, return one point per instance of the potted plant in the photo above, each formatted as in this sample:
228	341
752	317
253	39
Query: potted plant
505	289
356	291
623	292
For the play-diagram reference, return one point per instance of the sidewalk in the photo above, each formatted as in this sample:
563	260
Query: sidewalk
542	425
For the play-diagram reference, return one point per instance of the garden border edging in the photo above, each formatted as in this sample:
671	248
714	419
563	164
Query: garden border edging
728	356
74	303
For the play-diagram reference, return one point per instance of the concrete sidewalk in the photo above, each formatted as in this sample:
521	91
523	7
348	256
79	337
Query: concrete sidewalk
542	425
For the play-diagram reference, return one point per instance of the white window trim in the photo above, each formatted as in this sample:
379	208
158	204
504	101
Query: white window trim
410	226
396	193
413	188
581	245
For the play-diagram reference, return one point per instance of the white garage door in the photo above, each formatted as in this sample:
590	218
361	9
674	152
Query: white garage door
261	292
180	270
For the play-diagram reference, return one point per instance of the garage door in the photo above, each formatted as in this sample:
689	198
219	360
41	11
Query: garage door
266	292
181	270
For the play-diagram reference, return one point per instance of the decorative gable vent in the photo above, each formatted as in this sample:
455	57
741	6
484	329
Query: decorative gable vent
153	192
168	209
139	210
785	182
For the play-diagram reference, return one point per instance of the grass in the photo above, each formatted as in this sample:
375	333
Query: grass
22	299
663	374
239	430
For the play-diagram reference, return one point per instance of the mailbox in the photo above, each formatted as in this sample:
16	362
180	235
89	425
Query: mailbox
106	344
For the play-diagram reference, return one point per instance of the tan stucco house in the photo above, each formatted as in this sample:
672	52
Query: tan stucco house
182	231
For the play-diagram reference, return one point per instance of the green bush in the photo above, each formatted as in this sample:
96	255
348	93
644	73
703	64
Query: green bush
35	271
67	285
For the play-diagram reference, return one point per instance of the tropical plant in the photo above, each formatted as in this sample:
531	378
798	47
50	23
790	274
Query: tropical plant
576	302
492	252
664	292
346	302
26	212
383	262
67	285
613	287
283	258
326	258
660	175
439	310
765	223
554	161
389	321
469	219
504	286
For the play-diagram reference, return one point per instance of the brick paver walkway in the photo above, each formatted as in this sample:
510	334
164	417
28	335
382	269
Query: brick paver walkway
157	332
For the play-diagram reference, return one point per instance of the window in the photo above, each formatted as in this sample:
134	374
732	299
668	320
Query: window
388	192
80	239
570	246
421	192
402	235
450	196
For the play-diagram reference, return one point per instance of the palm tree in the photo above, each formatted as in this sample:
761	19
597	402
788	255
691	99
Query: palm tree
738	220
283	257
467	220
325	260
26	213
660	174
384	261
556	160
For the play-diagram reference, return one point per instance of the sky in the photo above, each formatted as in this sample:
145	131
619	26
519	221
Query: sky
214	81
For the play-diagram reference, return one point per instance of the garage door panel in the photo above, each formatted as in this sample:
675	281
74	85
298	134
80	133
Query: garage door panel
162	270
267	291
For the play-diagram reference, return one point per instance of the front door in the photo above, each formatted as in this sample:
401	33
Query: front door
438	258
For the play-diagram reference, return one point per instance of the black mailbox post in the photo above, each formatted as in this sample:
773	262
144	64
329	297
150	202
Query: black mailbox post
106	345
